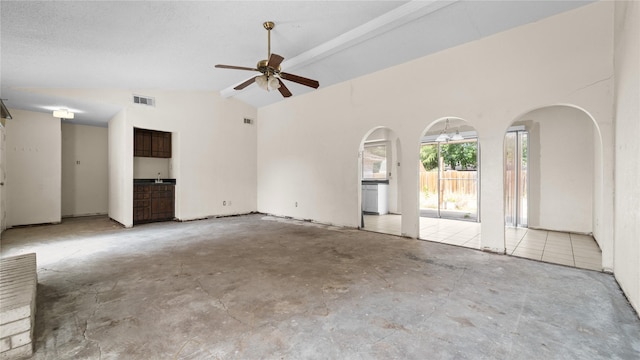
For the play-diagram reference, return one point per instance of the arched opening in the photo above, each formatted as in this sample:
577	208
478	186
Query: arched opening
552	168
379	178
449	190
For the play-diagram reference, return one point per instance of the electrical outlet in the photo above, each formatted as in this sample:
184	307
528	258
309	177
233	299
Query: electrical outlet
296	204
224	203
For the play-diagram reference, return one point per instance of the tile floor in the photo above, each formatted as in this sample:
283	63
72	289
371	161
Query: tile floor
555	247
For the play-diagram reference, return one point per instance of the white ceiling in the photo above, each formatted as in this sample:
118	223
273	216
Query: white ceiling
174	44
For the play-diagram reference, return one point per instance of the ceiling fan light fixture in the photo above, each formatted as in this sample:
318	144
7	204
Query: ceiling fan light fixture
268	83
457	136
274	84
442	138
263	82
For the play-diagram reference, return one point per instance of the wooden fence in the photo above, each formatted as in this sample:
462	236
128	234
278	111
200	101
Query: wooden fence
454	182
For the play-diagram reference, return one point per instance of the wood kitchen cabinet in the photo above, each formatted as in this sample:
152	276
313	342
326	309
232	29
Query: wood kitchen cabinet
160	144
153	202
151	143
141	142
141	203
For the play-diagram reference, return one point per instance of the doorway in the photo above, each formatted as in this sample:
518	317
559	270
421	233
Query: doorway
379	177
516	184
449	179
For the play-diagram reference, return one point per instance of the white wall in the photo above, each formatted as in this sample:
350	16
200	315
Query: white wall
85	180
120	193
33	146
489	83
560	169
148	168
627	179
214	152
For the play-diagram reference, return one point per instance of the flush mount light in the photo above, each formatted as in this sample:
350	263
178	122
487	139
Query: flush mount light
63	114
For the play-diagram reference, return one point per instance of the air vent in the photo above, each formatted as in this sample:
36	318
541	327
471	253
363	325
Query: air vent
248	121
144	100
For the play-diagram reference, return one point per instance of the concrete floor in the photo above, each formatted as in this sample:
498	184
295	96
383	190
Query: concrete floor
257	287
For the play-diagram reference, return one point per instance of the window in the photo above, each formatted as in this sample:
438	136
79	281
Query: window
374	162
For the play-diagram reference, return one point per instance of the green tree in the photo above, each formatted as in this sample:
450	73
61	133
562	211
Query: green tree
429	156
463	154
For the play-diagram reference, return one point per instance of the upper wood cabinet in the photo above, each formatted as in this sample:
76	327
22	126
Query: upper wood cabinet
151	143
160	144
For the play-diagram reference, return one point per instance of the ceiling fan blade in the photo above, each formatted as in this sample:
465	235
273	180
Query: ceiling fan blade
300	80
283	89
220	66
246	83
274	61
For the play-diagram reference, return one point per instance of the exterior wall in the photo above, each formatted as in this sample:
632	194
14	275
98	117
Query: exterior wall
33	171
627	200
85	180
489	83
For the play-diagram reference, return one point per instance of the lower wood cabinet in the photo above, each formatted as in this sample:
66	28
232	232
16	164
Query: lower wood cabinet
153	202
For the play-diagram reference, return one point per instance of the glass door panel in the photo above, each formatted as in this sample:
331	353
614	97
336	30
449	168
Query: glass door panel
449	180
522	179
515	179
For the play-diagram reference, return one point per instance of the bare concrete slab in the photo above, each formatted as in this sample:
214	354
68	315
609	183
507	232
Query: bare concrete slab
256	287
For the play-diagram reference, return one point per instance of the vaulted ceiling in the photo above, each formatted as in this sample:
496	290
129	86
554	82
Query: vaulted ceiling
141	45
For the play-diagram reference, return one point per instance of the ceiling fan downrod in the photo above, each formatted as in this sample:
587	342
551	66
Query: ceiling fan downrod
268	25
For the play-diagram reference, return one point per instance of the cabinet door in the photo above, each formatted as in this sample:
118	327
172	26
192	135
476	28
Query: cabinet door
141	203
161	144
162	202
141	142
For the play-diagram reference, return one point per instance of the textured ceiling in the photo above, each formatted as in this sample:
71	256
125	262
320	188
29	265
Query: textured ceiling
174	44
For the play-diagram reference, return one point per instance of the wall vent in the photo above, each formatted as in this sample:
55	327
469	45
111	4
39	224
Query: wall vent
248	121
144	100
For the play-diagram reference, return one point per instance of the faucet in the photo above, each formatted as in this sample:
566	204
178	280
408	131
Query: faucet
158	180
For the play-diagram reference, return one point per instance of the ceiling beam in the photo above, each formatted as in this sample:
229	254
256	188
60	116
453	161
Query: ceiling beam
399	16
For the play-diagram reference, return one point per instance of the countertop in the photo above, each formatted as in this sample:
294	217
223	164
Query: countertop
371	182
153	181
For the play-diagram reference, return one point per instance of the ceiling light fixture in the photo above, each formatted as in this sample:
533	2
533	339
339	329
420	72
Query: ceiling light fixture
444	137
268	83
457	136
63	114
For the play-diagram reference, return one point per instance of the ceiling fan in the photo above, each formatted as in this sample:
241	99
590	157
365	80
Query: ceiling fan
272	75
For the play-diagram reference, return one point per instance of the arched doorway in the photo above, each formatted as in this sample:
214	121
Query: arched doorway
449	190
552	162
379	179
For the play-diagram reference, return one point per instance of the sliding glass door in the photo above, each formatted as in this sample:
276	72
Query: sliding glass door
449	180
515	178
